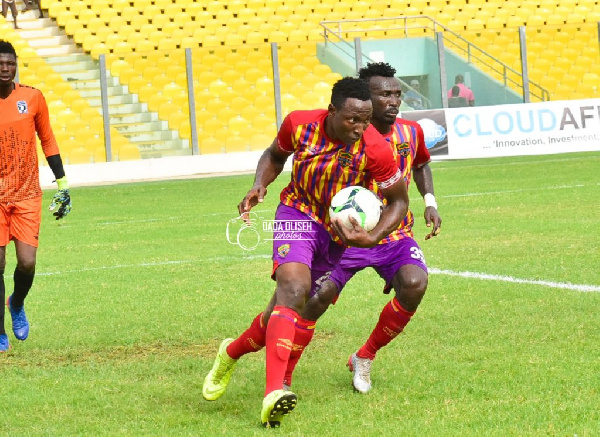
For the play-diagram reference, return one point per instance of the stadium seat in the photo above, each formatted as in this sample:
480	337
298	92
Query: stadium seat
210	145
128	152
236	143
79	155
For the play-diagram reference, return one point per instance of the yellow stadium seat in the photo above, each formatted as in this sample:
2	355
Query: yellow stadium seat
79	155
236	144
555	20
233	39
238	125
128	152
210	145
260	141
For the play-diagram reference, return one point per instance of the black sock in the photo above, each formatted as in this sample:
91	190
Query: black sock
2	300
23	283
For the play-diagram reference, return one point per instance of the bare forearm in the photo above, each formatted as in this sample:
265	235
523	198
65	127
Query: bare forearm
423	179
269	167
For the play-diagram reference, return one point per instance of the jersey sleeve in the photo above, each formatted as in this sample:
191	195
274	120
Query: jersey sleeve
284	136
422	155
43	128
381	159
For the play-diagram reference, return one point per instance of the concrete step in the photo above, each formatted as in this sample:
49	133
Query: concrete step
126	109
132	117
69	59
57	50
49	41
94	94
30	20
150	136
38	33
81	75
137	128
75	65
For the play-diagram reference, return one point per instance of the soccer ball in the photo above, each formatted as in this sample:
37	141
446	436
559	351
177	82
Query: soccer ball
357	202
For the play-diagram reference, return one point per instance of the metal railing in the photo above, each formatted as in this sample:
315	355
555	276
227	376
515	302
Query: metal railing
344	31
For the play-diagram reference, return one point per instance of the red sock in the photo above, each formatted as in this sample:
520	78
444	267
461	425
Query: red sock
251	340
305	329
392	320
279	339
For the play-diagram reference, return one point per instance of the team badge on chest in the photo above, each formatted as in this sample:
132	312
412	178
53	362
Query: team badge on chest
22	107
345	159
403	149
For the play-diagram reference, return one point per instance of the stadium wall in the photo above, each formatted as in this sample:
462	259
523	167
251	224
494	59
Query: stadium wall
454	133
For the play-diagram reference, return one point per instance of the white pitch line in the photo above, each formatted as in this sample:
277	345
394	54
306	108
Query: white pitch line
502	278
432	270
439	165
521	190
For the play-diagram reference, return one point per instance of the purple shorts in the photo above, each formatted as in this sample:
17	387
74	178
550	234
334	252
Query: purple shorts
386	259
298	238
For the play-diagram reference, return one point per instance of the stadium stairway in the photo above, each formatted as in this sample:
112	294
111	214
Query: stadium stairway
133	123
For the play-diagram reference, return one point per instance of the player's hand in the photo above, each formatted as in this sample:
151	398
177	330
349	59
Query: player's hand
355	236
62	200
255	196
432	218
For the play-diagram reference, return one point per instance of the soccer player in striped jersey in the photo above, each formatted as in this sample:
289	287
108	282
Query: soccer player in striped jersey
23	113
398	259
332	149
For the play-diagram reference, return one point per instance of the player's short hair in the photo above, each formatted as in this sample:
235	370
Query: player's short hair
459	78
373	69
7	47
349	88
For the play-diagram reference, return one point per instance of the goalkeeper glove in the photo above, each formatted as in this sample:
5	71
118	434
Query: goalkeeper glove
61	199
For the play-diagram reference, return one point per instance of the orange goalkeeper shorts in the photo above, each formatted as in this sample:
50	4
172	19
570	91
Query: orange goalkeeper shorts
21	221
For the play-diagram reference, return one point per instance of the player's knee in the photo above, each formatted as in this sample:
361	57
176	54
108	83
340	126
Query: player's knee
26	265
416	284
318	304
410	289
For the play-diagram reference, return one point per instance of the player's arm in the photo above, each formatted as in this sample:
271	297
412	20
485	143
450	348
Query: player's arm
424	182
270	165
62	197
396	208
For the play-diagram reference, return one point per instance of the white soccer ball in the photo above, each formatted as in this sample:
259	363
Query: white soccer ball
357	202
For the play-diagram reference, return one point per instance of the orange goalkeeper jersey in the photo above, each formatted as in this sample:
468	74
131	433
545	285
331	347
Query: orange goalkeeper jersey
22	114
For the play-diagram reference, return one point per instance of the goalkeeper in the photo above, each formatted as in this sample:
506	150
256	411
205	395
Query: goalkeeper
24	114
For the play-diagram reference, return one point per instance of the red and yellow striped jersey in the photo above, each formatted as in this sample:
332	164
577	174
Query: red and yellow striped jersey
322	167
407	138
23	113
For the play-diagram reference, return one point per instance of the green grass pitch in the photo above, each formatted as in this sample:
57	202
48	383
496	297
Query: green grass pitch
137	287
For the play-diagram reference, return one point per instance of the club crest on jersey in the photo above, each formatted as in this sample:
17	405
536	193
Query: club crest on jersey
345	158
403	149
283	250
22	107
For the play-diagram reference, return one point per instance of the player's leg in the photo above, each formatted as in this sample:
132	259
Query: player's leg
231	350
24	230
294	285
316	305
407	273
23	280
39	5
325	292
13	9
4	345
